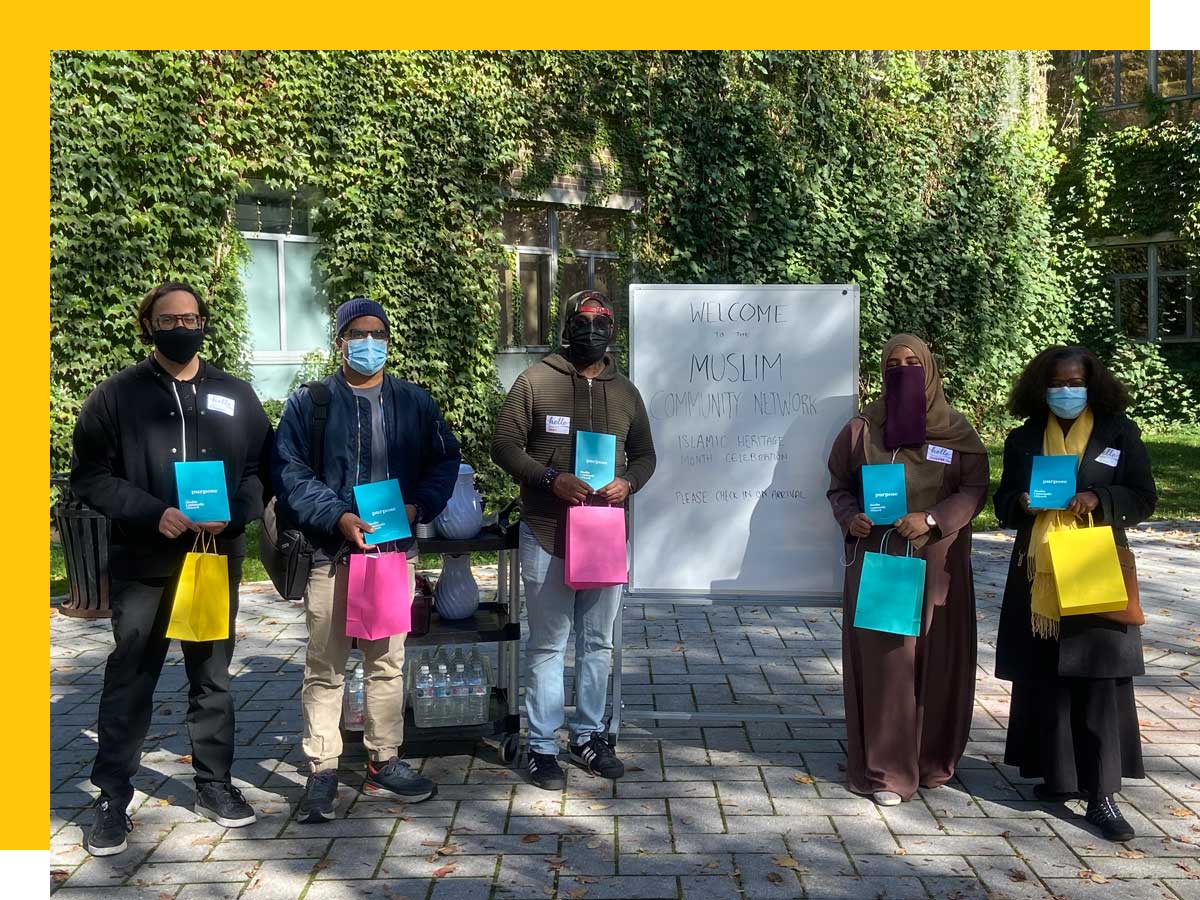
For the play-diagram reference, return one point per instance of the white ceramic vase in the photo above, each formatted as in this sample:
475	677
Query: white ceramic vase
456	595
463	515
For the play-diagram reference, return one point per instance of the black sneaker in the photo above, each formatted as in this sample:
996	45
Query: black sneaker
107	835
597	757
545	772
320	797
224	804
398	778
1104	813
1043	793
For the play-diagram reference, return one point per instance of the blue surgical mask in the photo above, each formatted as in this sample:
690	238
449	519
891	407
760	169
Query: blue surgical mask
366	355
1066	402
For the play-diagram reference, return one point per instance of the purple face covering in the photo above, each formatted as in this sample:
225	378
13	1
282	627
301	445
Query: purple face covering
905	405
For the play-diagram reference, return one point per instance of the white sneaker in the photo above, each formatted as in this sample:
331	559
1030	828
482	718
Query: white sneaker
886	798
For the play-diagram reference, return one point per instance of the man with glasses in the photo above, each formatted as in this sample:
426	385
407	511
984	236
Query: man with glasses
576	389
377	428
171	407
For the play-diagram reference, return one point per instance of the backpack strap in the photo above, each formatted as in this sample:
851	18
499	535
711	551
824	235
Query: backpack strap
321	396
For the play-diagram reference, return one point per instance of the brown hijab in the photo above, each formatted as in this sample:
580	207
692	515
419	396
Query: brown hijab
944	427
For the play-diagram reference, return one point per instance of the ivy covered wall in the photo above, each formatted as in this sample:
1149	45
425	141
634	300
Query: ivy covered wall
925	180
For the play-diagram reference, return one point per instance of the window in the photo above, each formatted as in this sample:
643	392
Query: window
288	315
554	245
1120	78
1154	290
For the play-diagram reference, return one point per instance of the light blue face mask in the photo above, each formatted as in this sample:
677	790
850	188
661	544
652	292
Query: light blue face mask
366	355
1066	402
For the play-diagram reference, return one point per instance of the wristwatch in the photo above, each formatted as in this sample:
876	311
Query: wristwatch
930	521
547	483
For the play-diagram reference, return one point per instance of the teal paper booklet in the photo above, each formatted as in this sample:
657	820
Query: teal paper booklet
381	505
885	498
1052	484
595	458
203	496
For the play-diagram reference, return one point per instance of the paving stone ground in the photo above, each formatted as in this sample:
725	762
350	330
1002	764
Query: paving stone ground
713	811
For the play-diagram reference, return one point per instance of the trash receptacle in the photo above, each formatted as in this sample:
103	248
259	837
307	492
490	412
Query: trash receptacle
84	534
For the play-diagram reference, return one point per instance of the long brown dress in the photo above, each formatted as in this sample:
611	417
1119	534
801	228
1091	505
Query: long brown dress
909	699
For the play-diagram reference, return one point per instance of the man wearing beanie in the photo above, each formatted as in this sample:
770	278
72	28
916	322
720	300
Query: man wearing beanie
377	428
576	389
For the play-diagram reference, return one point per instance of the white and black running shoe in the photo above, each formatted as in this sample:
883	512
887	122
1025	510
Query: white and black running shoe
597	757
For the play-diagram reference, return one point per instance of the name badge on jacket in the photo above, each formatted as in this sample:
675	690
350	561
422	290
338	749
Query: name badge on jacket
943	455
1109	457
558	424
221	403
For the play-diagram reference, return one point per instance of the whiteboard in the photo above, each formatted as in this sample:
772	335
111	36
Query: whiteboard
746	387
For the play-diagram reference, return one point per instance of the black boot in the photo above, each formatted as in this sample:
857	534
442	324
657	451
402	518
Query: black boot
1103	812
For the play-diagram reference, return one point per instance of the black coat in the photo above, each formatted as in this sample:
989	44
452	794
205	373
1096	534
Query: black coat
1088	646
133	428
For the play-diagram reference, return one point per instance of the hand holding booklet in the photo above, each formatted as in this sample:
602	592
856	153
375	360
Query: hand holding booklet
595	458
203	496
885	496
1052	482
381	506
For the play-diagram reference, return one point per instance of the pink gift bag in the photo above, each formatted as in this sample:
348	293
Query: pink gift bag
595	547
378	599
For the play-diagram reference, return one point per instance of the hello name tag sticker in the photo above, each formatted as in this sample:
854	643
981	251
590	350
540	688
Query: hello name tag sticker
558	424
943	455
221	404
1109	457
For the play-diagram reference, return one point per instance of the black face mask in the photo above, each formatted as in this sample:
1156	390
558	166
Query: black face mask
179	344
588	339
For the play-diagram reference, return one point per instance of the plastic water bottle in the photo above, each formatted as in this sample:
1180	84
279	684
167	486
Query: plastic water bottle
441	696
477	686
458	695
423	713
353	703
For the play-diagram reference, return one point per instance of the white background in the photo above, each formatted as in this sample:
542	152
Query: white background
766	546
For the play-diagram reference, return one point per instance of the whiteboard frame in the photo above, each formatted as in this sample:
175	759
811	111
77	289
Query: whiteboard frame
802	598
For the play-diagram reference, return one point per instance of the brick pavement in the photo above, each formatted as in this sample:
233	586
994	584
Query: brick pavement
710	811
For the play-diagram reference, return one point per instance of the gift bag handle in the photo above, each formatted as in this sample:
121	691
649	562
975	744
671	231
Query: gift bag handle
883	543
202	539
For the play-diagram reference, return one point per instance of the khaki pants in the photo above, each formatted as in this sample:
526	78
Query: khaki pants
324	675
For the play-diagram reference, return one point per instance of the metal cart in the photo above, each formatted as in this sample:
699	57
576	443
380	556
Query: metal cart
497	621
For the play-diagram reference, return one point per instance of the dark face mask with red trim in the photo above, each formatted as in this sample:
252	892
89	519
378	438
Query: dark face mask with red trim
588	338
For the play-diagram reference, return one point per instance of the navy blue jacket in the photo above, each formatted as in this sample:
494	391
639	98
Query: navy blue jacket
422	454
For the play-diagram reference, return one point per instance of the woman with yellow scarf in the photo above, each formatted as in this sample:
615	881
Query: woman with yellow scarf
1073	721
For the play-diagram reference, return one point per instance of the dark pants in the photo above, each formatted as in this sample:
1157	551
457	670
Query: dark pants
140	614
1076	734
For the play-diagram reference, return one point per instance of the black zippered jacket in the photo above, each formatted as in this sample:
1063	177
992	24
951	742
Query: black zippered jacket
131	431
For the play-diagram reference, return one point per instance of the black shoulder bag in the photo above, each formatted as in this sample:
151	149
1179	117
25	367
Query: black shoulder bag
285	552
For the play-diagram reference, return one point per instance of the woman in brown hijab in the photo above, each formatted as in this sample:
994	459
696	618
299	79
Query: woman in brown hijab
908	699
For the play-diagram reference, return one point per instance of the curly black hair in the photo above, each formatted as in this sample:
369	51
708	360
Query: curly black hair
1106	395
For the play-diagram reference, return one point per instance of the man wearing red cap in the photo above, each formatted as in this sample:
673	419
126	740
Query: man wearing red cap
576	389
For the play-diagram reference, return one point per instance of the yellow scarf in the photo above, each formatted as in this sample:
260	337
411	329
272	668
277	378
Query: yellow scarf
1043	593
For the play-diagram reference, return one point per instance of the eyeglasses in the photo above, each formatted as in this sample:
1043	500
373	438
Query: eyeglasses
357	334
166	321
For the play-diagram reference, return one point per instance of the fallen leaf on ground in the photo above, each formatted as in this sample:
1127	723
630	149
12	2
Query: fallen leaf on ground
1179	812
803	779
586	879
599	806
1095	877
786	862
1017	875
1131	854
593	845
555	862
774	878
900	851
444	871
531	839
58	876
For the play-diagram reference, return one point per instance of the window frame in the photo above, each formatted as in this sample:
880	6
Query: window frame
551	252
282	356
1151	276
1107	104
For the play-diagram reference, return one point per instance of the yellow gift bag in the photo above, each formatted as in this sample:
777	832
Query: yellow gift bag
201	608
1087	571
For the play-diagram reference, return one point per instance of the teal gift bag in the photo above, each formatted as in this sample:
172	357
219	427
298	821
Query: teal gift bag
891	592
